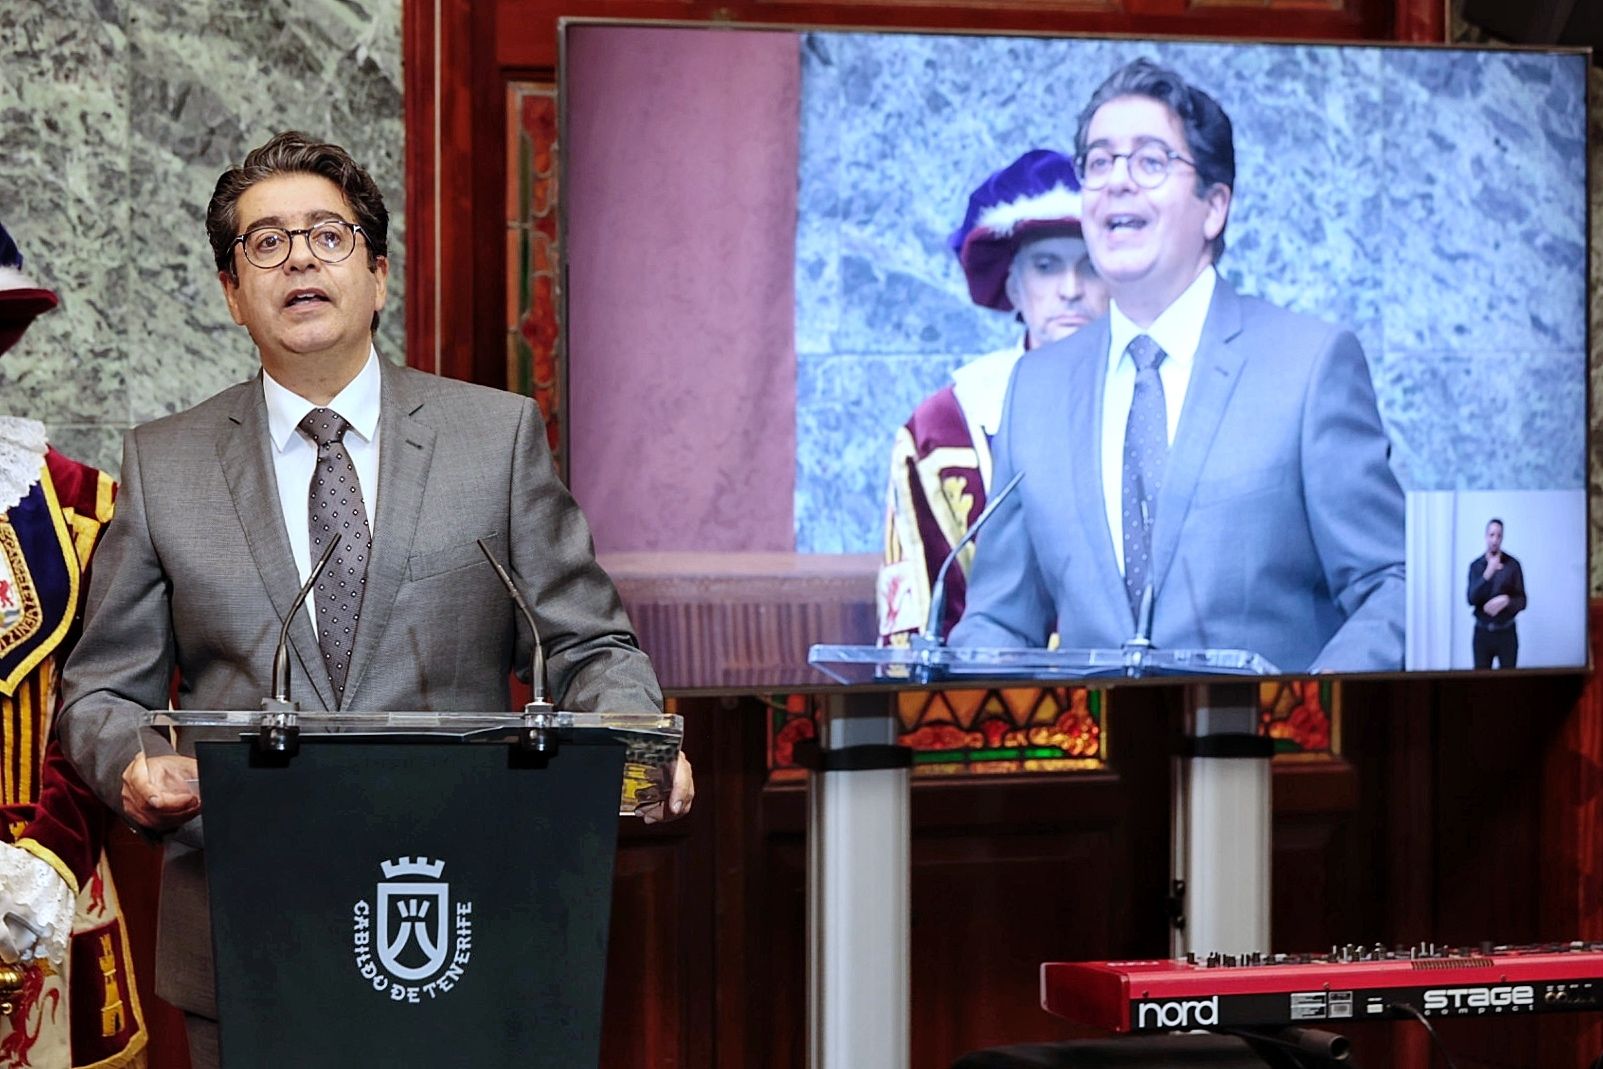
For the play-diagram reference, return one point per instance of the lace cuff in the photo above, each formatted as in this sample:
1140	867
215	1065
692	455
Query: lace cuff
34	892
22	451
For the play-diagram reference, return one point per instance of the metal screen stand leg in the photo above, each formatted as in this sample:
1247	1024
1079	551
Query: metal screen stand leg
1223	834
857	890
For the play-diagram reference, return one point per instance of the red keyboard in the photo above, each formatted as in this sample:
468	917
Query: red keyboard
1348	984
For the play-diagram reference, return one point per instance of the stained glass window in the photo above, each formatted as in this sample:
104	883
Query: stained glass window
970	732
1303	716
533	299
1056	729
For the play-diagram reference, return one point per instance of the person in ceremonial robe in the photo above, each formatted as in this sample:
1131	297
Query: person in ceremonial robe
58	907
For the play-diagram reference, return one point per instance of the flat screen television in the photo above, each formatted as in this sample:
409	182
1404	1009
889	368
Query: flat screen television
761	288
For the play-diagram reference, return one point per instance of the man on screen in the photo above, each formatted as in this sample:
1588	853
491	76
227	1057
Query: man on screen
225	507
1201	468
1497	591
1022	252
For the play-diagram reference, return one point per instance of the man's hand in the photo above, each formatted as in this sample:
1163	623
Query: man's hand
1496	605
1494	564
679	798
161	793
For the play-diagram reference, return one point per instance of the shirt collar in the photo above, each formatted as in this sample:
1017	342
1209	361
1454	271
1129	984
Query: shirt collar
1178	330
358	403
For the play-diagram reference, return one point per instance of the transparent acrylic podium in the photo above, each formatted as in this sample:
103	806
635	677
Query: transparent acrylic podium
650	740
409	888
859	822
893	664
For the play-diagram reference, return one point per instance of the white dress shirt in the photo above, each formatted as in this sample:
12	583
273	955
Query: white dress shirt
295	454
1178	332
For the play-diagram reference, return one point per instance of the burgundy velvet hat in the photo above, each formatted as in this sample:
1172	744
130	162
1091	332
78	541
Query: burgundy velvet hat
21	298
1035	195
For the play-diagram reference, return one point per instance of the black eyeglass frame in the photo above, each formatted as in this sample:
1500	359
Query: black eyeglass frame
1169	155
289	242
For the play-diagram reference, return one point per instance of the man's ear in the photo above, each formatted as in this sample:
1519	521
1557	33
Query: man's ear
1218	198
1010	286
381	276
231	294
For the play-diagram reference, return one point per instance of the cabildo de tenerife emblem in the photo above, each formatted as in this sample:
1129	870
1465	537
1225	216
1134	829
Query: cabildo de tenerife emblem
412	942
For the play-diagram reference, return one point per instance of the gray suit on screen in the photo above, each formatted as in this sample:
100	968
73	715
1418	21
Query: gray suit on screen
1279	525
196	572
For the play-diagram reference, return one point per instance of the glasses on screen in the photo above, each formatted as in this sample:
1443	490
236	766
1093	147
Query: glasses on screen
1148	164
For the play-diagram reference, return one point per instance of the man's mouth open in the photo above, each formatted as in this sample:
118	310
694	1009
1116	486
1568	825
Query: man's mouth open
302	298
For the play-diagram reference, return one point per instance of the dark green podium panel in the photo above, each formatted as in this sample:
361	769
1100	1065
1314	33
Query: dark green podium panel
401	903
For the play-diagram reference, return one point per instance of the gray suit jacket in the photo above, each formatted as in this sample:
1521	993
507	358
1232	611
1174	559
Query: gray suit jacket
1279	525
196	572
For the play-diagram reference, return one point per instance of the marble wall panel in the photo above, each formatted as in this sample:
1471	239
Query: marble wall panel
848	490
1377	188
118	116
64	196
1595	319
1461	31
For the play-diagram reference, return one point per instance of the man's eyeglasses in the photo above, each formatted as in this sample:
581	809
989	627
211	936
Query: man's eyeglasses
330	241
1148	165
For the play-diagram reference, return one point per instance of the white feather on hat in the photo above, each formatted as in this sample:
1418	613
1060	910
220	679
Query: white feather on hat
13	279
1056	203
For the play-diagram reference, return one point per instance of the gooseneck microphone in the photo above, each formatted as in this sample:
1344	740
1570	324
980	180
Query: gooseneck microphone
931	637
537	657
279	734
280	699
538	735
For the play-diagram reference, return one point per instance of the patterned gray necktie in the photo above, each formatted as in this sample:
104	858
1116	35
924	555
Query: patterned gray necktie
335	511
1146	447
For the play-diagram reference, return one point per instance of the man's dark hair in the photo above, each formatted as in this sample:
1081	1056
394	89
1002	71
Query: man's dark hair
1209	136
1497	521
293	152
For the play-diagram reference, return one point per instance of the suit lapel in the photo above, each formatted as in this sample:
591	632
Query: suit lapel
406	449
1086	385
248	467
1214	375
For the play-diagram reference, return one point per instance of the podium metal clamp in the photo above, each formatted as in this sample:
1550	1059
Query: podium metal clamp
279	733
538	733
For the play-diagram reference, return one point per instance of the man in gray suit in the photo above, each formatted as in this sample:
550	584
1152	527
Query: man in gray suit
1202	469
225	507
